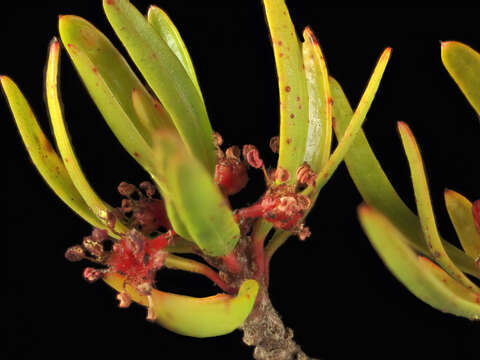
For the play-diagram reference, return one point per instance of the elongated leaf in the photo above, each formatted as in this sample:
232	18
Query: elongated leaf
376	189
463	65
43	155
110	83
97	205
425	210
198	317
167	78
424	279
291	85
151	113
170	34
460	211
201	206
317	150
357	119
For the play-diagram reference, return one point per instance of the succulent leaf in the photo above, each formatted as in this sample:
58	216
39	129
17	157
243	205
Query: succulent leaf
291	85
357	119
97	205
423	278
377	191
425	210
197	317
44	157
110	83
167	30
200	206
166	76
463	65
460	211
319	139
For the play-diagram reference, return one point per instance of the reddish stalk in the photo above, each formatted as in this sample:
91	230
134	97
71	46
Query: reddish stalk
232	263
259	233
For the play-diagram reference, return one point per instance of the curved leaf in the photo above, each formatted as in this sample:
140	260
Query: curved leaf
291	85
167	78
201	206
44	157
376	189
423	278
460	211
151	113
463	65
424	207
198	317
97	205
169	33
109	82
319	139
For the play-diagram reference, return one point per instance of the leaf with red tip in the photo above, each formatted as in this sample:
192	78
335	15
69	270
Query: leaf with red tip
291	85
461	214
197	317
463	65
425	210
97	205
375	188
424	279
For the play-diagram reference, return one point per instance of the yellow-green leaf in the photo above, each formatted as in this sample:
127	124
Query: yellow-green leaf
423	278
167	77
110	83
425	210
197	317
201	206
167	30
460	211
97	205
463	65
291	85
44	157
319	139
375	188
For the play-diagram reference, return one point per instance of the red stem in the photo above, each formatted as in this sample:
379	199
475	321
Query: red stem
213	275
231	262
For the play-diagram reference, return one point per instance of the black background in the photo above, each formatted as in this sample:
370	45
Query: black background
333	290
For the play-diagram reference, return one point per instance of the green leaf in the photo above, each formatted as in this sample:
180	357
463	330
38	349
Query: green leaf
197	317
463	65
97	205
170	34
357	119
460	211
291	85
201	206
319	139
425	210
43	155
423	278
167	78
376	189
110	83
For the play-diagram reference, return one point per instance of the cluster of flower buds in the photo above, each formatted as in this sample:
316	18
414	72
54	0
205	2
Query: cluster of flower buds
146	213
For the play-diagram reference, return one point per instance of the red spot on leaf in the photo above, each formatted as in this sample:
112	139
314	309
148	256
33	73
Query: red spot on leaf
94	69
281	54
288	88
289	141
292	116
111	2
279	43
136	154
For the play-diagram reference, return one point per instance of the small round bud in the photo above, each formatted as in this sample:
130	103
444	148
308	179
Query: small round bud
304	232
126	189
233	152
305	175
94	247
274	144
75	253
99	235
92	275
148	188
282	174
124	300
252	156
